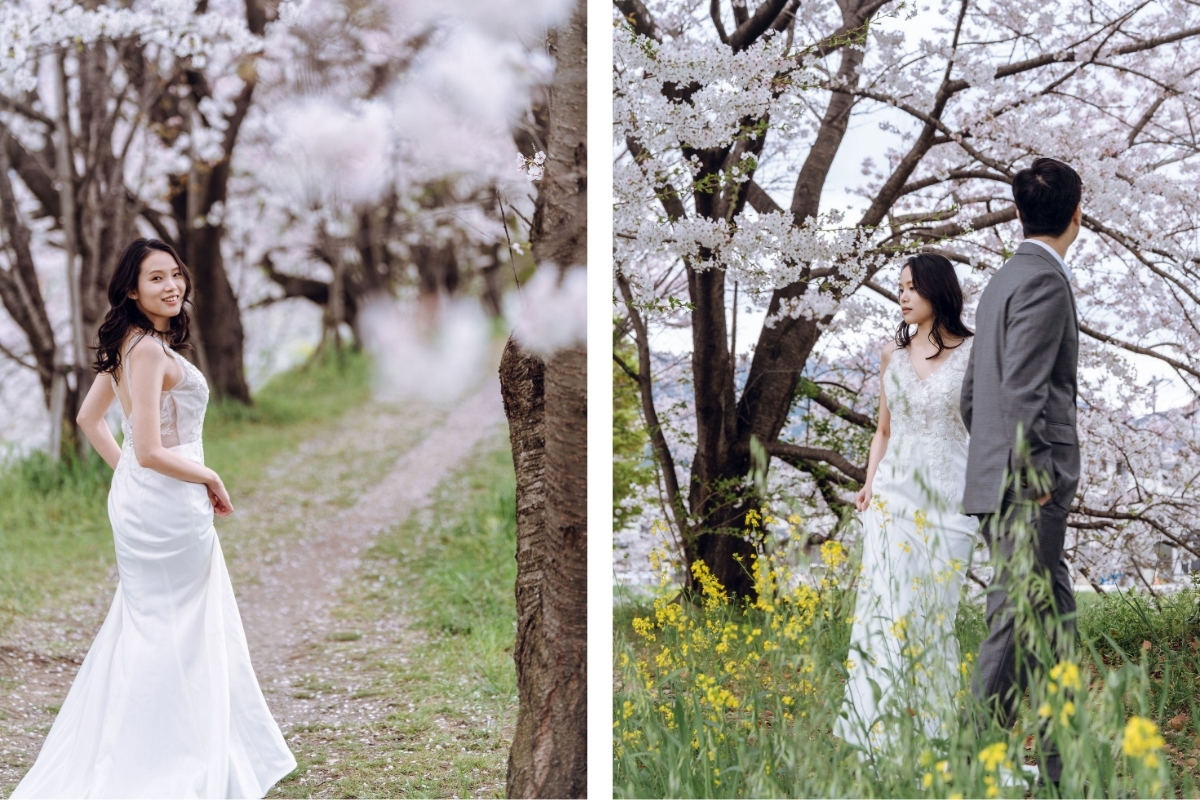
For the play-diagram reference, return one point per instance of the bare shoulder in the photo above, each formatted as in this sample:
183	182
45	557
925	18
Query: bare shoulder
146	351
885	357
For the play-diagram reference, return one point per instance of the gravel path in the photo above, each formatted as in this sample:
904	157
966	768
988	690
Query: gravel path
287	611
288	554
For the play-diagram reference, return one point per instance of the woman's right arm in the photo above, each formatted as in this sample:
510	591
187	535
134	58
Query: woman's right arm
91	420
147	368
883	432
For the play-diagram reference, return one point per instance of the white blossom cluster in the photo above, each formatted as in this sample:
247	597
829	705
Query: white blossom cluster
28	31
553	311
534	167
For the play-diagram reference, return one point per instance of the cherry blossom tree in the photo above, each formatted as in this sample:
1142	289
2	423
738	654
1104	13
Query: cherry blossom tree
451	136
99	110
728	120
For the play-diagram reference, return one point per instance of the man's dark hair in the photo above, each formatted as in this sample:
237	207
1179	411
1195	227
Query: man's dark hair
1047	194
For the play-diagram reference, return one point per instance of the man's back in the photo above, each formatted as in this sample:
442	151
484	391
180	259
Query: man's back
1022	371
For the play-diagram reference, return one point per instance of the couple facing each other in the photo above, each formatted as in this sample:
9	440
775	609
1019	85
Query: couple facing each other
976	433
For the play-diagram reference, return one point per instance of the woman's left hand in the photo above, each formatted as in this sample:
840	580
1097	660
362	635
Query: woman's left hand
219	498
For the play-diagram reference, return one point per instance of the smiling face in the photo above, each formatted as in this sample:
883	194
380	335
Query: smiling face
916	309
160	289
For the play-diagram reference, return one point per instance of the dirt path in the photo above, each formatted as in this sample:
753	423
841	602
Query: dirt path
306	527
288	608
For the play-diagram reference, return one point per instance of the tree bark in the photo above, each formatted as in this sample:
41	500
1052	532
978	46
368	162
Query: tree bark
549	751
217	315
522	384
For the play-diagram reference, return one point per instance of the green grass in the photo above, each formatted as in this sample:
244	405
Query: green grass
55	540
705	708
424	631
1164	633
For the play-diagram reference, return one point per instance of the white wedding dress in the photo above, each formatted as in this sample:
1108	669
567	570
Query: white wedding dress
903	662
166	703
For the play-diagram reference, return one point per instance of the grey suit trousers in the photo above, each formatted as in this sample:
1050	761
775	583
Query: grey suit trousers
1009	656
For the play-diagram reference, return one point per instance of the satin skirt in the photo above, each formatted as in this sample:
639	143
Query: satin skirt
903	667
166	703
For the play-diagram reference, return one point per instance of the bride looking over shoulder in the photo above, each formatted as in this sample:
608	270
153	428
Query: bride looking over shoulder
166	703
916	543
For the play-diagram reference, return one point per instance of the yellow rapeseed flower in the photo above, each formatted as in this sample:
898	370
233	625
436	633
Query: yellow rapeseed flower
1066	675
927	780
1068	710
833	554
993	756
1142	740
713	591
644	627
1044	710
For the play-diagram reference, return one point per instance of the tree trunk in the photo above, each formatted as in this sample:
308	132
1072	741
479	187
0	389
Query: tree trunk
720	495
219	336
522	385
549	752
218	315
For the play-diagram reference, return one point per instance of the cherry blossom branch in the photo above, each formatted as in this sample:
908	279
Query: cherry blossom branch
916	113
16	358
795	453
1129	516
764	17
842	411
890	190
1157	41
644	380
953	175
851	31
1096	226
637	15
1133	348
26	111
714	11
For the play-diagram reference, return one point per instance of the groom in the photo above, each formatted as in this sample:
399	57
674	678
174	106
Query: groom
1018	403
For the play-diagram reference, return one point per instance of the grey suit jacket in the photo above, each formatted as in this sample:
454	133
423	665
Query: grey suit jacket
1021	375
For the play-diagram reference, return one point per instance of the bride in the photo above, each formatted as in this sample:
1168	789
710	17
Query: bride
917	545
166	703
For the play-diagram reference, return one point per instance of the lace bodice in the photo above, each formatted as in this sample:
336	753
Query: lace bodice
181	415
927	426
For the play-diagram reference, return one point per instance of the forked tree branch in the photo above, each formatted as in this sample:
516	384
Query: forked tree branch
795	453
843	411
645	382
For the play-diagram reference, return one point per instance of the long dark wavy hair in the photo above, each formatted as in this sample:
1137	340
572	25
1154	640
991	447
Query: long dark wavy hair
124	313
933	278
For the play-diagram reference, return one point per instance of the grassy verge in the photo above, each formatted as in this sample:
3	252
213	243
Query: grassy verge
412	688
720	699
55	541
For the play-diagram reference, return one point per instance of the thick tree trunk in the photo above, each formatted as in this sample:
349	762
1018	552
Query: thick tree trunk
522	384
549	752
719	495
218	316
